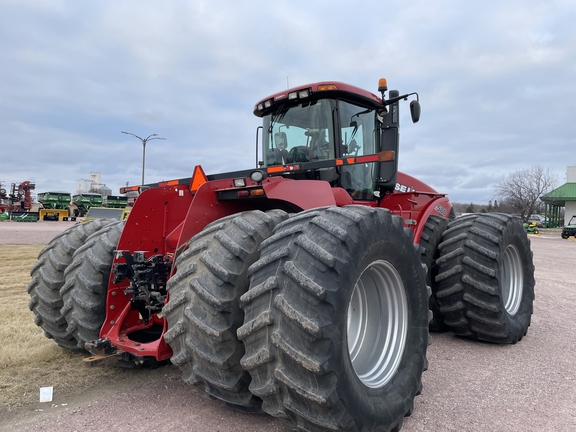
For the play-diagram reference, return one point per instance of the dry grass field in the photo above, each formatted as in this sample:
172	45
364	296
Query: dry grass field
28	360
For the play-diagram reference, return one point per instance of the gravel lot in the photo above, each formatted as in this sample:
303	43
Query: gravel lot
470	386
40	232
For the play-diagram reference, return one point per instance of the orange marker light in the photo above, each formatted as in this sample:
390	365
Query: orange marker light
327	87
169	183
257	192
275	169
386	156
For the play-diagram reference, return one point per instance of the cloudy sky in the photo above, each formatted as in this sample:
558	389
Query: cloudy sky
496	79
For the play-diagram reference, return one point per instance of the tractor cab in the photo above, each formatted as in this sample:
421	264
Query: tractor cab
326	121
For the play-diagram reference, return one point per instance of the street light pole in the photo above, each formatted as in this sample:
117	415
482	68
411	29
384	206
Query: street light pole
144	141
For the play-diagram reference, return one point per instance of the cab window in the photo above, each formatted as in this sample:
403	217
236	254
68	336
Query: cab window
358	137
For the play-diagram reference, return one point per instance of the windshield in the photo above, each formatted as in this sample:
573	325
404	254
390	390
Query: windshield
300	134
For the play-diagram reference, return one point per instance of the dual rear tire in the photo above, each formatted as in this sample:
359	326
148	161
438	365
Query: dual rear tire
485	280
49	277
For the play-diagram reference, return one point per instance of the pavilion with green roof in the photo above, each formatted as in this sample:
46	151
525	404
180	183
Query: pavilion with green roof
564	196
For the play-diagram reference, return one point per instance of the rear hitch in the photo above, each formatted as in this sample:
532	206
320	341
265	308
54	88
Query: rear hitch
104	353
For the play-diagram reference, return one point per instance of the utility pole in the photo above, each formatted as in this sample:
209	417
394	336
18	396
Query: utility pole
144	141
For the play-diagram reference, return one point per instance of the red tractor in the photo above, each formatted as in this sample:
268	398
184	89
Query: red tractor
302	287
19	199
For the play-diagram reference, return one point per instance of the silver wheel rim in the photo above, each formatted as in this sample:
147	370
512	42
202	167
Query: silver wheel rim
512	279
377	324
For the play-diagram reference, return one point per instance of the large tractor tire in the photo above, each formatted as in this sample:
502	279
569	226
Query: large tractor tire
336	321
486	278
203	312
84	293
48	278
429	241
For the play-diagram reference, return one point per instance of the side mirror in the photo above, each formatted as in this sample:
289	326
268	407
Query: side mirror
415	111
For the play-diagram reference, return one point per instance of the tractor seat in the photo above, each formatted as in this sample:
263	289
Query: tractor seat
277	156
300	154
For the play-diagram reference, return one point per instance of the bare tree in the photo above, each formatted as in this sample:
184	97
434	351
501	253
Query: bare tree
522	189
